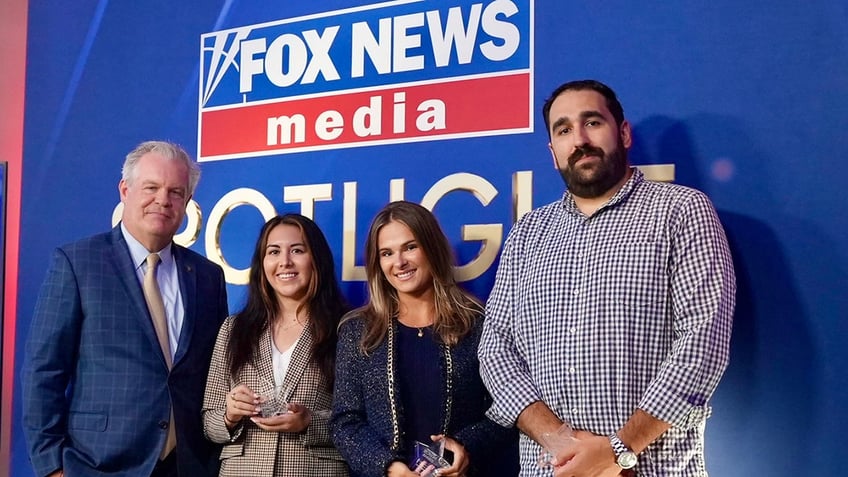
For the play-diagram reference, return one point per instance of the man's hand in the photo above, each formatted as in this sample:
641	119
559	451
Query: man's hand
537	419
589	456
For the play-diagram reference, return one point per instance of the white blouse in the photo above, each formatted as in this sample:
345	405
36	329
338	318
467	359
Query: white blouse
281	361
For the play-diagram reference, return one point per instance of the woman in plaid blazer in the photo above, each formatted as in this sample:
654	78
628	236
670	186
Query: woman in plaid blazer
269	389
407	366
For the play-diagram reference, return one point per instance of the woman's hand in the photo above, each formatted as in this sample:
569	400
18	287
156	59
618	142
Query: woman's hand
241	402
399	469
296	419
461	460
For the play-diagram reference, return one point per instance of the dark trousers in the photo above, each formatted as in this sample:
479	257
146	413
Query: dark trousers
166	467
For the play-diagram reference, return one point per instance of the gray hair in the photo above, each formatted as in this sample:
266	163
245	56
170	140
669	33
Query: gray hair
170	151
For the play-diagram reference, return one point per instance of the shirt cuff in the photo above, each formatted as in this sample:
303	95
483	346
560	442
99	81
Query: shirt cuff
682	412
511	400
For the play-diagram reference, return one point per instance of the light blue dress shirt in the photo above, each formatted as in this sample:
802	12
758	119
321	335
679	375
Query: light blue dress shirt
169	284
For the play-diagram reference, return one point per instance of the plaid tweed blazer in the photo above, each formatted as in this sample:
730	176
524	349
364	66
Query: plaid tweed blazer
252	452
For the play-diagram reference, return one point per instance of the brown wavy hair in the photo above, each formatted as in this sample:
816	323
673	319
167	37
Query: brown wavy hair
455	308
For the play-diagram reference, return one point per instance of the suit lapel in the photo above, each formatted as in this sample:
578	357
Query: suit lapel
265	364
299	361
125	268
187	276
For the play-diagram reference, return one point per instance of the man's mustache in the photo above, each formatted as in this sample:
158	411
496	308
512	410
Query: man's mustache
584	151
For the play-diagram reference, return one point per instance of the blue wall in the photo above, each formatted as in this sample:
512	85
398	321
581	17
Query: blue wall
746	99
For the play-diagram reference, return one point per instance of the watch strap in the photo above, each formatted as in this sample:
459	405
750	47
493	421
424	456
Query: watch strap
624	456
617	446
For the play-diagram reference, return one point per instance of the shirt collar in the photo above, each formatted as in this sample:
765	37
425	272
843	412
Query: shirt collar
623	193
139	253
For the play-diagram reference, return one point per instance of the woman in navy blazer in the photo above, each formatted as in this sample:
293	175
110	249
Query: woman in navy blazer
407	366
284	338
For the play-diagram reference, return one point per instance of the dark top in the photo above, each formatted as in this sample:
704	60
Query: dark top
421	384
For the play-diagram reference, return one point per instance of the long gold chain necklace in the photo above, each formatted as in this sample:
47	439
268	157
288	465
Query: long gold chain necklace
390	370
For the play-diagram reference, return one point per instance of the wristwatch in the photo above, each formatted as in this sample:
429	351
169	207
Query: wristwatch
624	457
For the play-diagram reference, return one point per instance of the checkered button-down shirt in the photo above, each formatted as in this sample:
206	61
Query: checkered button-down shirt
628	308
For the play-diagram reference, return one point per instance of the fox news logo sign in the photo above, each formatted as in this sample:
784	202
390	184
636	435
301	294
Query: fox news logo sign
390	72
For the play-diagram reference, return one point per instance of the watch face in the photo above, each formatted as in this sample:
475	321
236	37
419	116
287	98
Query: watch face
627	460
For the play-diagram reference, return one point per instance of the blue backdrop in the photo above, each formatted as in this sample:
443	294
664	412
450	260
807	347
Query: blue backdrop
746	100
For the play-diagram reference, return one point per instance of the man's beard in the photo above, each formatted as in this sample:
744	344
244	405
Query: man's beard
595	180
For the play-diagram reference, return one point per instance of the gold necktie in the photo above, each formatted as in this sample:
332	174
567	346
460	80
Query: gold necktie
160	322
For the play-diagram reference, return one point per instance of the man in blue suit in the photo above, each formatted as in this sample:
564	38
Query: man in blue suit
100	396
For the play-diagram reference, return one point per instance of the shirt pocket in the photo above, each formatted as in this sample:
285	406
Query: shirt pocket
634	275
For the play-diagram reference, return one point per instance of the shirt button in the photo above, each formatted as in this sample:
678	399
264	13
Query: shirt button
575	292
572	330
574	410
572	370
163	424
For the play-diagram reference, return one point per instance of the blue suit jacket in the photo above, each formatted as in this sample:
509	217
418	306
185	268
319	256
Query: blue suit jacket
96	389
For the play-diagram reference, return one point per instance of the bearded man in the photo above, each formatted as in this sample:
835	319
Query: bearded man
612	308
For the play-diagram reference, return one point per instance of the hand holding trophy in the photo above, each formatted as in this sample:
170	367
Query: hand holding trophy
555	442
